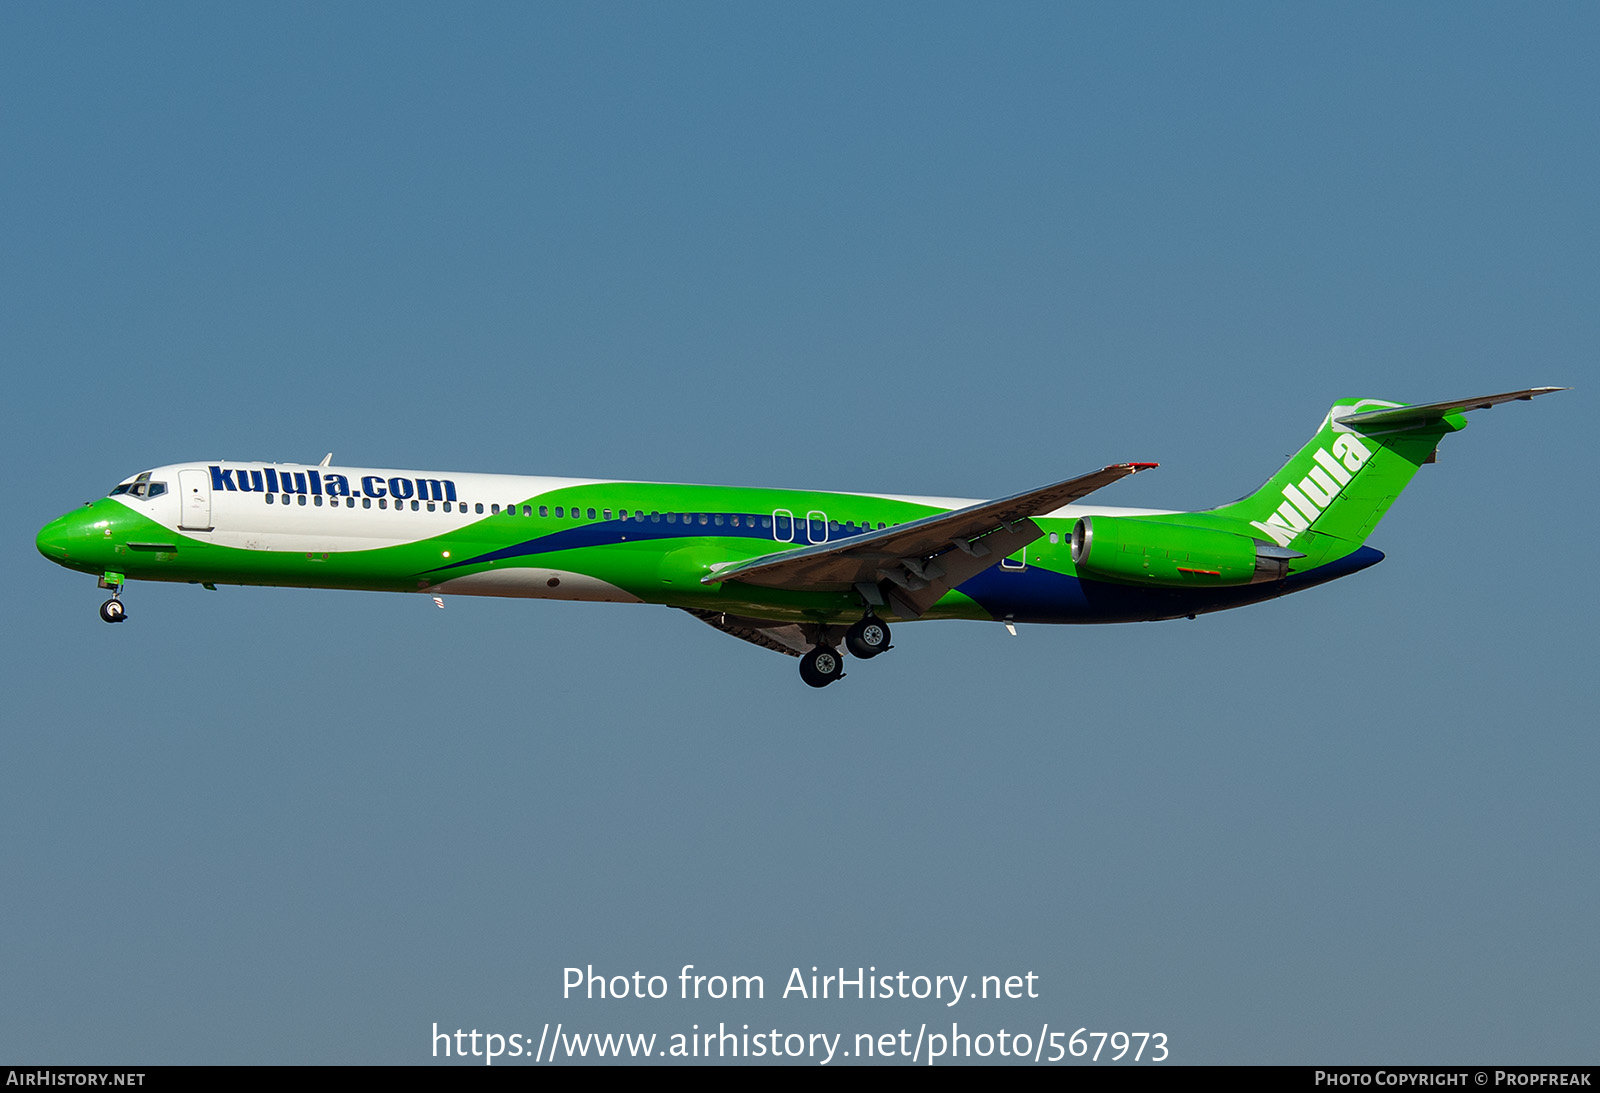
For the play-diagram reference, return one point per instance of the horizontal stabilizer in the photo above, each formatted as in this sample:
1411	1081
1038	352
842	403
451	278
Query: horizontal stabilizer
1402	417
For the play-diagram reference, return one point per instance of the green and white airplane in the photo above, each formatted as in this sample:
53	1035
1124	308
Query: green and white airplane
800	572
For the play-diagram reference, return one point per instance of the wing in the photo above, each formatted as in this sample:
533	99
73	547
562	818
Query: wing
910	566
781	637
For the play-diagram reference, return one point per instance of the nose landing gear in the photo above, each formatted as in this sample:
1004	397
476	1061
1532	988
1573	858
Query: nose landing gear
112	610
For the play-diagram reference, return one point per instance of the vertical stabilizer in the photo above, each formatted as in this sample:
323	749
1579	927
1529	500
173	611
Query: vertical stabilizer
1346	477
1343	480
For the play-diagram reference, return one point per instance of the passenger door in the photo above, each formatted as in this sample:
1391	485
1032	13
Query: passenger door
194	499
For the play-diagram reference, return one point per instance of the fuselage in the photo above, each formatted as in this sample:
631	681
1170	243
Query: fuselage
803	572
442	532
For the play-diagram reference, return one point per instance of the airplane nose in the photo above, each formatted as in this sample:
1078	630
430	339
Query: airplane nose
54	537
84	539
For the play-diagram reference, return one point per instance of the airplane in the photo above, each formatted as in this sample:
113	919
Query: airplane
800	572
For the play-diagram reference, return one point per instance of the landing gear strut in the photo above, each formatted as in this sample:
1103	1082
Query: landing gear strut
821	666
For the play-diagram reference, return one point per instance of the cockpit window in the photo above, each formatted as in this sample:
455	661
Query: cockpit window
140	487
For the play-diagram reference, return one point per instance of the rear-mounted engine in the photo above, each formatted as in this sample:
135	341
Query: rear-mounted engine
1171	555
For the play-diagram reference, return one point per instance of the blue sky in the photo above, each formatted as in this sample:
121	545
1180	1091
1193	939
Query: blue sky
908	248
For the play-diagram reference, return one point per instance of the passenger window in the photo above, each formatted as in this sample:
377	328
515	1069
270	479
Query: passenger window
302	498
383	502
1055	537
478	508
416	505
430	505
494	510
318	500
672	518
591	514
269	498
560	511
527	510
607	513
366	502
544	510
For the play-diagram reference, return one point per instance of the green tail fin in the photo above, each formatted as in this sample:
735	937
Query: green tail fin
1343	481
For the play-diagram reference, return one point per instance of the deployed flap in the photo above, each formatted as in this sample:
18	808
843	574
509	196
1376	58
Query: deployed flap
1408	416
914	564
781	637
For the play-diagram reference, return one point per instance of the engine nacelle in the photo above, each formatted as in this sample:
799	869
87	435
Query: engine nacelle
1174	556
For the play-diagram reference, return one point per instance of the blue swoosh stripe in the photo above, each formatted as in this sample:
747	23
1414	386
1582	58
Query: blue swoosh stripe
1036	594
611	532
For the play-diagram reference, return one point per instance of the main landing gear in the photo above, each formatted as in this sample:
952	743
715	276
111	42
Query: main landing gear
822	664
867	638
